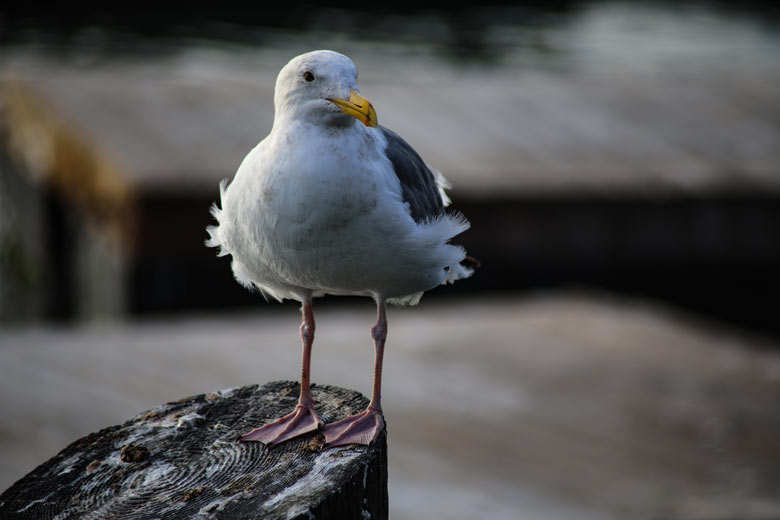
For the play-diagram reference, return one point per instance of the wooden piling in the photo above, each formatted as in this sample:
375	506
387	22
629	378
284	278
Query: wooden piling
184	460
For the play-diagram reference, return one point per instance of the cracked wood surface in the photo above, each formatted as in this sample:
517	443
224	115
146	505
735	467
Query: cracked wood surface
183	460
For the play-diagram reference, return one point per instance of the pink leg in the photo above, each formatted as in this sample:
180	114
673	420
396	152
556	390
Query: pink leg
303	419
365	427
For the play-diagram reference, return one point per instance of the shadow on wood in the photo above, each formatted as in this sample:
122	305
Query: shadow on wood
184	460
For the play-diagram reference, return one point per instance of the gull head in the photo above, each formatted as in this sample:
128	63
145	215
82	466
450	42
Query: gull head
320	87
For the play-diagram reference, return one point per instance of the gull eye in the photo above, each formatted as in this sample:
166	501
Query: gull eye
308	76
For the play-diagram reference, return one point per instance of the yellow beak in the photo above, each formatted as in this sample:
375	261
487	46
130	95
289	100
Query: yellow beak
358	107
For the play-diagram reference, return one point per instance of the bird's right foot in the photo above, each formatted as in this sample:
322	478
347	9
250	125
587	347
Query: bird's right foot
303	420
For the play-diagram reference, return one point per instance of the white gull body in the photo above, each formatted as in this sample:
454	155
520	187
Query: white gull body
332	203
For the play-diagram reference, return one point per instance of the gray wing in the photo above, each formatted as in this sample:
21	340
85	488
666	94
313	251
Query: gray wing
418	185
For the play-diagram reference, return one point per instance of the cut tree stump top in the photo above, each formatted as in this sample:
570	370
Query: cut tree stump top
184	460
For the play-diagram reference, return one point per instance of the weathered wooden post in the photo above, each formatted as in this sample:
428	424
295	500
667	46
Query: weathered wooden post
184	460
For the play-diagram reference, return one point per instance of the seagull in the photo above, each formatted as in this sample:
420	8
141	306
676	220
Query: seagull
330	202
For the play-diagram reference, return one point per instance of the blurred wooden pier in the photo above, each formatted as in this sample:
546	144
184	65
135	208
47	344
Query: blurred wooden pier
656	178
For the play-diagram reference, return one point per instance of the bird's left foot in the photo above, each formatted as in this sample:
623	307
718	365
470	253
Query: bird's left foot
363	428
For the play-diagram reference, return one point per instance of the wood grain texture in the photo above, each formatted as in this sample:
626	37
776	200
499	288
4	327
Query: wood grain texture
184	460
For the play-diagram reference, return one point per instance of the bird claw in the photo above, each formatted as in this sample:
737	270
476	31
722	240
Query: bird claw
363	428
301	421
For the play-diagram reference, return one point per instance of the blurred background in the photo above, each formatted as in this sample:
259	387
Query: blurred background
615	356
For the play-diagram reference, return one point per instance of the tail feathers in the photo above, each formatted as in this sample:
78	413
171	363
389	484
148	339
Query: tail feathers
471	263
457	272
463	269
